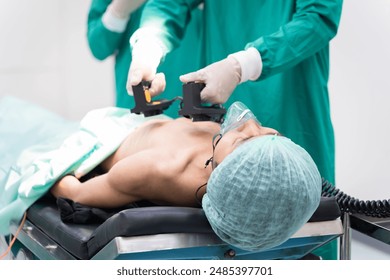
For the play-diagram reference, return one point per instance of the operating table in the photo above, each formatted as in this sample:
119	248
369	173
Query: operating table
156	232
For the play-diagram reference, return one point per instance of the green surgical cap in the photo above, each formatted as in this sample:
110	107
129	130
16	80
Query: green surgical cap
262	193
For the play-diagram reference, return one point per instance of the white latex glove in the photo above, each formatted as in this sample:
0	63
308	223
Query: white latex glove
220	78
146	56
123	8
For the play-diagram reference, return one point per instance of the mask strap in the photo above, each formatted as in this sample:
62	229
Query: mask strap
246	111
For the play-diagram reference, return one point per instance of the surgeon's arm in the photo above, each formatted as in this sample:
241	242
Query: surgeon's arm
107	23
313	25
163	25
165	21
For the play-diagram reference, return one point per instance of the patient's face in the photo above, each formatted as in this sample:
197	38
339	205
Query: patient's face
238	136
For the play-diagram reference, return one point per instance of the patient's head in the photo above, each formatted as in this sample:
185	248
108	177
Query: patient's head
228	142
263	189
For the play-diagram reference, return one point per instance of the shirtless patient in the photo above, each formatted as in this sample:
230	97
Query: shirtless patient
162	161
259	189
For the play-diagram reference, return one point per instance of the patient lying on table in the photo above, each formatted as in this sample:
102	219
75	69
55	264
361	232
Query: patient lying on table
162	161
257	188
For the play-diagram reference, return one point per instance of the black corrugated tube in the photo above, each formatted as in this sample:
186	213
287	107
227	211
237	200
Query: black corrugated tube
373	208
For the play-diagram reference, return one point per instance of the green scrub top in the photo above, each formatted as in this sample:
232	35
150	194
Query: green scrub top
104	43
292	36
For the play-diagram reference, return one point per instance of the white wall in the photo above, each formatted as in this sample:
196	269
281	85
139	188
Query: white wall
44	58
360	87
360	99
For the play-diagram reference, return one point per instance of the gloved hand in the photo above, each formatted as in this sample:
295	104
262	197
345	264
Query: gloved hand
123	8
222	77
146	56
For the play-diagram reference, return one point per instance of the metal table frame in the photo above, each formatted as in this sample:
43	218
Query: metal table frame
36	244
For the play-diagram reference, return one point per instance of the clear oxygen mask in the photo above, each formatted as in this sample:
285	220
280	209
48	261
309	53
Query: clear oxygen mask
236	115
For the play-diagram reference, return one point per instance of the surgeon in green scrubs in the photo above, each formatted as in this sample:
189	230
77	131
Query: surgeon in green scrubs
273	55
110	25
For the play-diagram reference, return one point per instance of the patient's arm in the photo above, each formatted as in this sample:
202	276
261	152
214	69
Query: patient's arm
130	179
